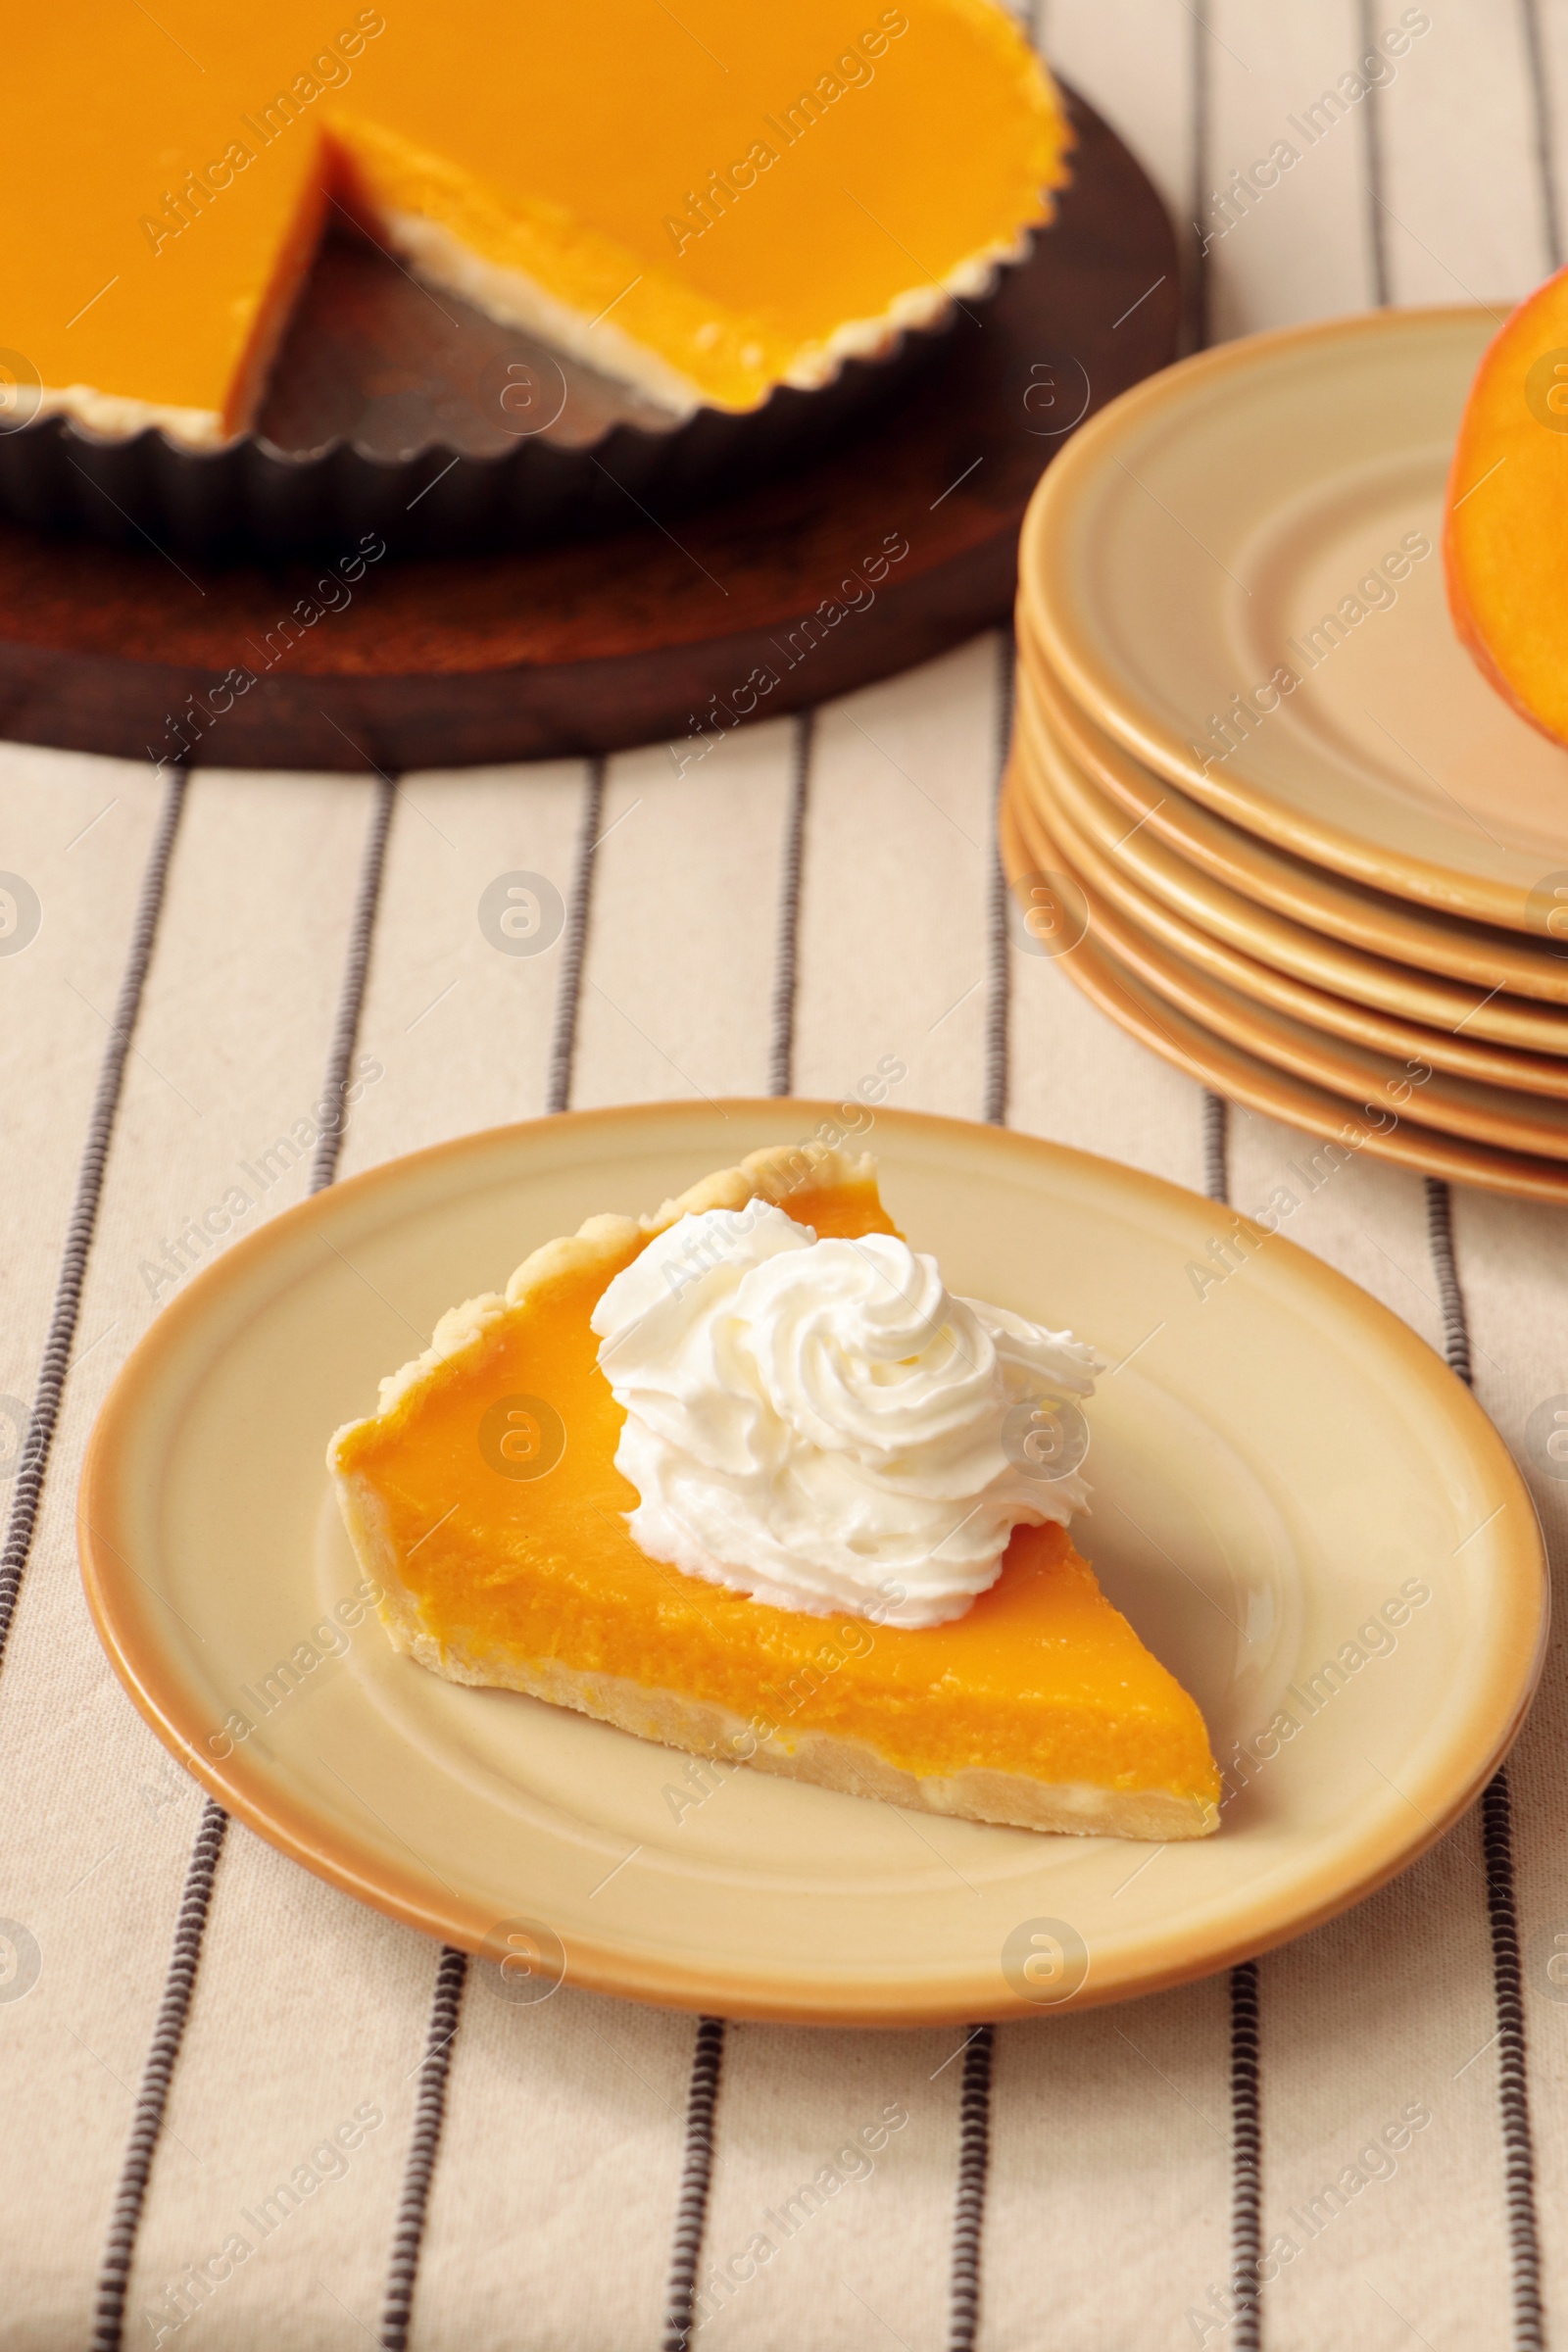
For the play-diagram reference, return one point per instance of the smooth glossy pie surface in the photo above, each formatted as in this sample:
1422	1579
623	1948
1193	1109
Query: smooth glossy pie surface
708	203
1277	1465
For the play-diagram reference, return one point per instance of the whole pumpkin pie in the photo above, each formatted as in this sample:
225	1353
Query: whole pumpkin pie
704	202
761	1598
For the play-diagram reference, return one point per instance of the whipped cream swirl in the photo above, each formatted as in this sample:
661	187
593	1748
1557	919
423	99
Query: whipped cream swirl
822	1425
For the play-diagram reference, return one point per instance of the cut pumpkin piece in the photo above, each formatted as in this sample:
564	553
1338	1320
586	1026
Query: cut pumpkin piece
484	1500
1507	511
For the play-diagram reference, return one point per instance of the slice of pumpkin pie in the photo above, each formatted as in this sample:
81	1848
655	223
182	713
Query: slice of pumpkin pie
743	1477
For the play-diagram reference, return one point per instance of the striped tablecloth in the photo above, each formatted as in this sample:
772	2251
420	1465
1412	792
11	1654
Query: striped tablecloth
190	2026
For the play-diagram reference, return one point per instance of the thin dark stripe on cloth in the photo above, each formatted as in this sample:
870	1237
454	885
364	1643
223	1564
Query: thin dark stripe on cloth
424	2141
998	978
168	2032
1377	212
1445	1268
82	1223
1513	2078
152	2097
1196	289
1216	1125
1246	2161
564	1038
970	2200
354	981
781	1038
696	2180
1539	95
1503	1915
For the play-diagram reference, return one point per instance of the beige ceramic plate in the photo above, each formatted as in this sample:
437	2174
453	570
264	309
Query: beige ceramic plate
1481	1112
1361	1124
1277	1465
1052	782
1385	927
1190	538
1173	955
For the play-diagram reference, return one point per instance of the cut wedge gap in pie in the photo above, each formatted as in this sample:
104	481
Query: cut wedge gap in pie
703	204
484	1500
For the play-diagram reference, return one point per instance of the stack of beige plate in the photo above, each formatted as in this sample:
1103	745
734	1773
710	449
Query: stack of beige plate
1261	804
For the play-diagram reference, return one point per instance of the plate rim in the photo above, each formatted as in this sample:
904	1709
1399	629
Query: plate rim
1274	1092
1047	617
1111	769
329	1851
1094	867
1130	909
1051	778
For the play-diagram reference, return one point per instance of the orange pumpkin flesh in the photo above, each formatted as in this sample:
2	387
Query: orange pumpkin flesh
1507	513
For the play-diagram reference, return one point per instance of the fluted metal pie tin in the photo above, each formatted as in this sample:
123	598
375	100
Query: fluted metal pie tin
398	409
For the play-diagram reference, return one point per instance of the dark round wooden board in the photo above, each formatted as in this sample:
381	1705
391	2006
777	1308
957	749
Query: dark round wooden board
598	645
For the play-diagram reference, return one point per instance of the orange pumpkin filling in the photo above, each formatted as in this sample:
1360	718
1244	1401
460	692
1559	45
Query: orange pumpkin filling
705	202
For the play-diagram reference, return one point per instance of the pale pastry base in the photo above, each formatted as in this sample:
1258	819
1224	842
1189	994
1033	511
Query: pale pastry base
115	418
1075	1808
517	300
